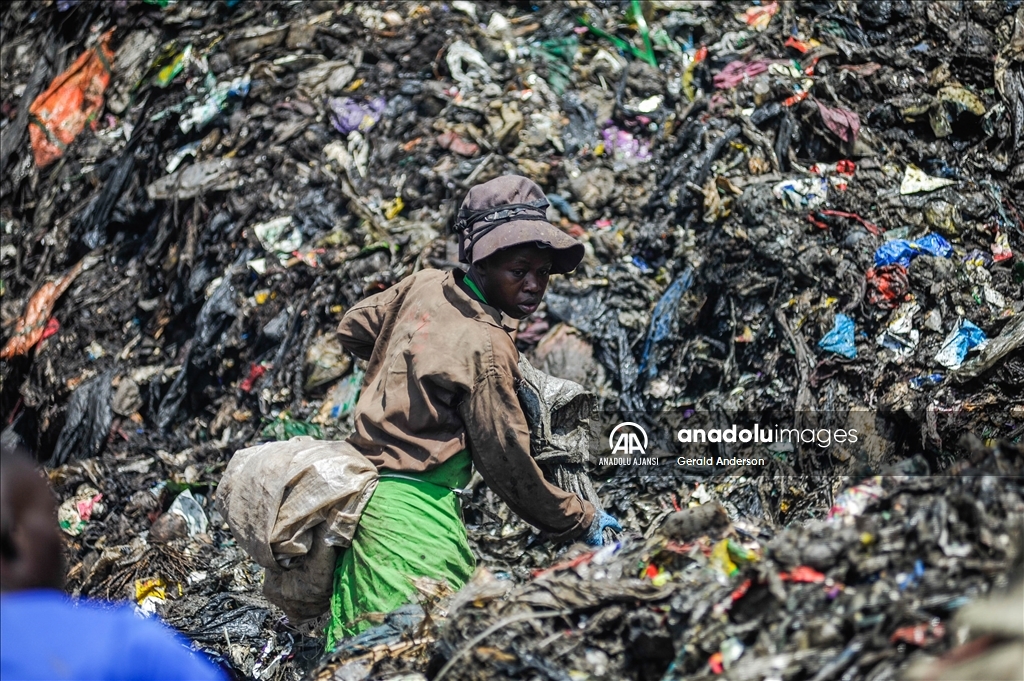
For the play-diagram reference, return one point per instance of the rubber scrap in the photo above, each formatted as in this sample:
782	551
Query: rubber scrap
74	98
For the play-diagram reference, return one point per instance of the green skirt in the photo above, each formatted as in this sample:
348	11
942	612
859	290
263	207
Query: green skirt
412	527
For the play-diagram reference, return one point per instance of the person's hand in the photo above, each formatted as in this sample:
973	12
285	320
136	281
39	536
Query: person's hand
602	521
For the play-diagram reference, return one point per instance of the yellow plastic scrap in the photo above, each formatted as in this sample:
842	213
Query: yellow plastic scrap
145	588
394	208
721	561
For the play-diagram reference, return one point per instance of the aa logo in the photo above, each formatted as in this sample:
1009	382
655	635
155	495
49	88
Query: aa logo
627	441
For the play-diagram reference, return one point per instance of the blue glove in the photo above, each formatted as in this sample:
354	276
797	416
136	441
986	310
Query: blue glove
602	521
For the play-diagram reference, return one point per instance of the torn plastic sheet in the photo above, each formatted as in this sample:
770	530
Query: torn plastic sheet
661	319
962	339
278	236
916	180
33	324
900	335
215	102
186	506
799	195
843	122
87	421
736	72
218	174
74	98
460	53
840	339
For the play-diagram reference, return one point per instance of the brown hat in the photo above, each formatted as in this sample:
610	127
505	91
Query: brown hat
509	211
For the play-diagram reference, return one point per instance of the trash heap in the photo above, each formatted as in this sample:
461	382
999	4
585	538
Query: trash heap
812	210
864	592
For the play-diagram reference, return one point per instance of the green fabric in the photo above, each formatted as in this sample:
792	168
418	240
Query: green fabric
412	527
474	289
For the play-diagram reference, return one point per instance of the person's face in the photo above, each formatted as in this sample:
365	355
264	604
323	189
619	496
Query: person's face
514	279
31	548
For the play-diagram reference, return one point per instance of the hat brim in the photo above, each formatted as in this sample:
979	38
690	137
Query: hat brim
568	252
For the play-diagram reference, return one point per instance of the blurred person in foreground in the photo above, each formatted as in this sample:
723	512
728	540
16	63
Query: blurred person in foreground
44	634
440	397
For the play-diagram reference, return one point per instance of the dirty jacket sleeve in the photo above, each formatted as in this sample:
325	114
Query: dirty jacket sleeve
362	324
499	441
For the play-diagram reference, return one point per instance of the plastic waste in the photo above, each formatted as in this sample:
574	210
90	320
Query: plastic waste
736	72
208	176
284	427
962	339
888	285
759	16
661	320
843	122
218	100
840	339
624	146
150	594
188	508
341	399
799	195
72	101
900	251
852	502
35	322
916	180
451	140
86	421
900	335
279	236
74	513
326	360
920	635
459	55
347	114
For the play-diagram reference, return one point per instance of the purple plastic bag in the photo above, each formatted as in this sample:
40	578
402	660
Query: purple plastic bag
348	114
843	122
624	146
736	72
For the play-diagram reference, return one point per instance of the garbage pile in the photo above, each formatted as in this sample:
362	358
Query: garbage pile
808	209
860	594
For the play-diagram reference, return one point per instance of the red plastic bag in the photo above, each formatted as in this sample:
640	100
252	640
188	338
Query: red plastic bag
73	99
888	286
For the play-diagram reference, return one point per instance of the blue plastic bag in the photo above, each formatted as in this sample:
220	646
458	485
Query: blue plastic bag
962	339
840	339
901	251
661	319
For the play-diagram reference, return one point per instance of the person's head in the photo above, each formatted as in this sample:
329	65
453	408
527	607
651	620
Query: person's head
31	548
511	247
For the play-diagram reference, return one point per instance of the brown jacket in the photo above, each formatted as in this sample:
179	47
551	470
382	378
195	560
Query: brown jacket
441	378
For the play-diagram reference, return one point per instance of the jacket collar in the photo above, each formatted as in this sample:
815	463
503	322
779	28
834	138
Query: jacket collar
472	307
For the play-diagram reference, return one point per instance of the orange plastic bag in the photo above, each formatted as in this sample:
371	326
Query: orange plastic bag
31	327
73	99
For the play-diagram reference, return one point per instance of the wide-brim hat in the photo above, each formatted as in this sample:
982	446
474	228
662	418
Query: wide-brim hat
511	211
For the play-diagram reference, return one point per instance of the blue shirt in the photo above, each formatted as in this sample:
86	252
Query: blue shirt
45	635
